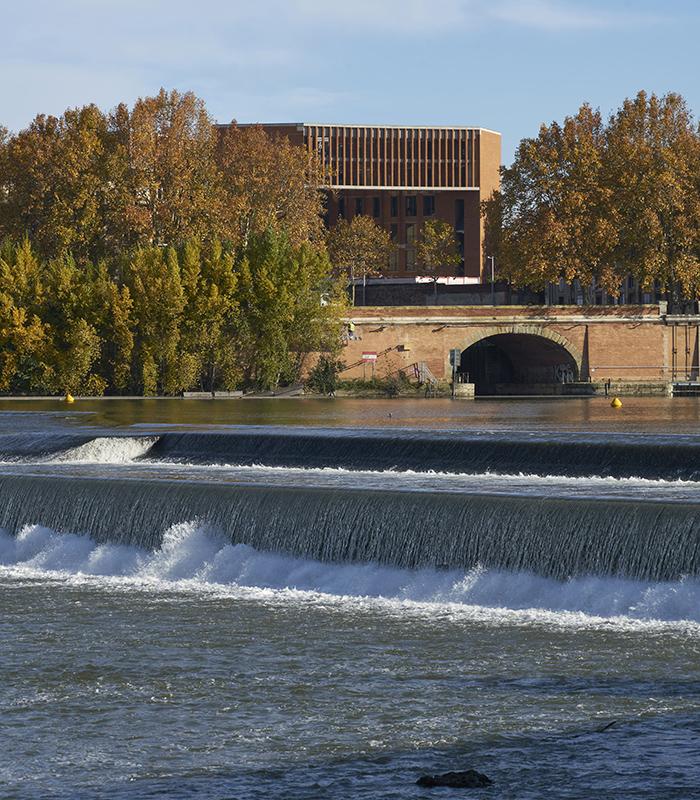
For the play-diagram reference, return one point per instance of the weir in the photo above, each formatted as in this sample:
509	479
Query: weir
504	453
552	537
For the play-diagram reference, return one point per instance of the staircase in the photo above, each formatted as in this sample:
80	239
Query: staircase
422	372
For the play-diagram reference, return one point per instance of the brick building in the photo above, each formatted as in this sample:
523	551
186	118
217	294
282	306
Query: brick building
402	176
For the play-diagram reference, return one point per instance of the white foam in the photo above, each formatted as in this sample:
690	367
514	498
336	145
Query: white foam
194	558
108	450
589	481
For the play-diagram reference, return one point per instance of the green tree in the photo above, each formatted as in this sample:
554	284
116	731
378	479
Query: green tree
76	349
25	355
152	276
289	308
323	377
110	313
211	314
66	303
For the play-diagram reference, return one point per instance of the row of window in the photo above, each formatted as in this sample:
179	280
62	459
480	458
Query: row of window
431	134
362	206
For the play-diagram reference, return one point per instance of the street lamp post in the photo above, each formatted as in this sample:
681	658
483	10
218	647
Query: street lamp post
493	279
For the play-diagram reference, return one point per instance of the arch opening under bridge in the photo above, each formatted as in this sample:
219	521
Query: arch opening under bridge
516	363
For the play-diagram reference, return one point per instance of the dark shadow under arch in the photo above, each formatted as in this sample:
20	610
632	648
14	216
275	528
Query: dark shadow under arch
518	363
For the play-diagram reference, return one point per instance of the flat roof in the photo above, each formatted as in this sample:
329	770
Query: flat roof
364	125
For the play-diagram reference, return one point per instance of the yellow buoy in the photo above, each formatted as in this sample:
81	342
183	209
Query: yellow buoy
616	402
70	398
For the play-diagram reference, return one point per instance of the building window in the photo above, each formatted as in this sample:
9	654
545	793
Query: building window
394	206
376	207
428	205
341	208
411	205
410	259
394	254
459	215
411	247
359	205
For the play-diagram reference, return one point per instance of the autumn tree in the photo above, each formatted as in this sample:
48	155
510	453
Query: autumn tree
437	249
596	202
359	249
270	184
171	190
97	185
554	207
56	181
149	251
25	358
46	343
653	171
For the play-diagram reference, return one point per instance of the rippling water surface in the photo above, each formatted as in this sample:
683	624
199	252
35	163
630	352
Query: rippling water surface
203	667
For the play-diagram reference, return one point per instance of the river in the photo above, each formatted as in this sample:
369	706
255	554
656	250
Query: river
320	599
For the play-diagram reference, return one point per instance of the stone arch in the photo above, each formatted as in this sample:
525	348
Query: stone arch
517	344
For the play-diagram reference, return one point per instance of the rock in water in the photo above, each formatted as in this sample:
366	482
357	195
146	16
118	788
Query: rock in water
469	779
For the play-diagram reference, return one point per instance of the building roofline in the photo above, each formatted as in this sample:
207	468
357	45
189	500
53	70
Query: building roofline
349	125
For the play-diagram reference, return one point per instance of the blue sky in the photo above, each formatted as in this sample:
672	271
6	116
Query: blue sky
502	64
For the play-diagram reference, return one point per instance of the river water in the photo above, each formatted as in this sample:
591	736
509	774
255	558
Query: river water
327	599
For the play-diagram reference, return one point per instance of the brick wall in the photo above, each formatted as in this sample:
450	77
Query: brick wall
629	343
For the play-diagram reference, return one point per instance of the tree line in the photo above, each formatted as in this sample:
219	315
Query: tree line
149	251
161	320
598	200
98	184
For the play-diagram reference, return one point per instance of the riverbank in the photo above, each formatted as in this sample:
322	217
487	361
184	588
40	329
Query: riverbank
369	390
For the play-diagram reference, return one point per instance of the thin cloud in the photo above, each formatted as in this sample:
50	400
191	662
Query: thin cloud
550	15
420	17
399	16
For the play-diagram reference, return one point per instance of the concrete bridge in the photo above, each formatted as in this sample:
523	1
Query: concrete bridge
527	349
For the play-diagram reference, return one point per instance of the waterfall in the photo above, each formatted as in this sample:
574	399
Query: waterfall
617	456
506	453
554	537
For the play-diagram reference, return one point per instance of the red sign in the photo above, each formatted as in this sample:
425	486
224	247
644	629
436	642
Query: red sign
369	355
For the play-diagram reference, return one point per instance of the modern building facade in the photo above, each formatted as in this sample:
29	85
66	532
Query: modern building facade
402	176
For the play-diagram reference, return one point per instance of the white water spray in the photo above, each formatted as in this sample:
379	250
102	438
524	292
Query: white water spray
196	558
108	450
